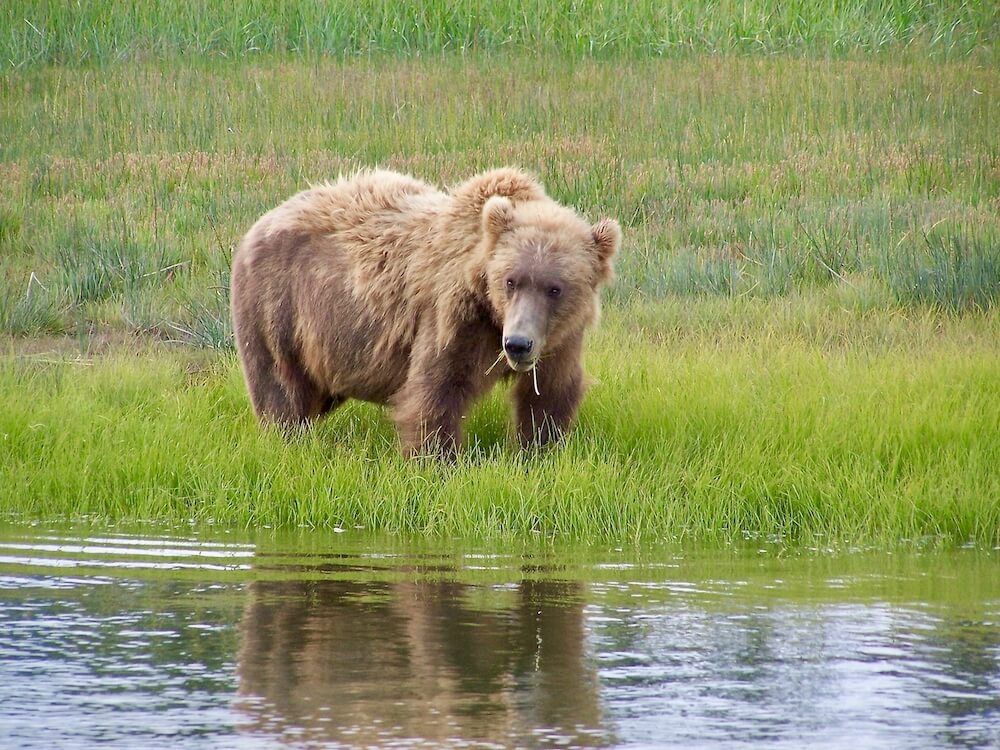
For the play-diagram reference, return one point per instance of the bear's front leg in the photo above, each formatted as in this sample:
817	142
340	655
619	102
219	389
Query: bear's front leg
544	416
440	386
429	413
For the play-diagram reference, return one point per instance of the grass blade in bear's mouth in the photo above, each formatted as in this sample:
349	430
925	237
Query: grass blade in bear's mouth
517	366
495	363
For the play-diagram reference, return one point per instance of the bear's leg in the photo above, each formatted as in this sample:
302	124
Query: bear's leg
440	385
428	415
297	400
545	416
280	391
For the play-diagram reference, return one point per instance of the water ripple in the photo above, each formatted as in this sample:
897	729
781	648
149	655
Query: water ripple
150	641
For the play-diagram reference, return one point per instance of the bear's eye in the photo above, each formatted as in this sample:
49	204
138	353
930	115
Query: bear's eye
510	285
554	292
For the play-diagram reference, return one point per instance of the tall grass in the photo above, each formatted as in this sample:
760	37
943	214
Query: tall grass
955	269
36	311
808	433
104	31
124	189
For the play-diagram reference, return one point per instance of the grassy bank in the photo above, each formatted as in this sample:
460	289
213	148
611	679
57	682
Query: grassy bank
783	420
107	31
806	305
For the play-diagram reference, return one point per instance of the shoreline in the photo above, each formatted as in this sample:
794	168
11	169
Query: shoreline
710	438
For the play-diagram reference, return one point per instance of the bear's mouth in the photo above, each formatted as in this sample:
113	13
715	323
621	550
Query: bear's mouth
522	365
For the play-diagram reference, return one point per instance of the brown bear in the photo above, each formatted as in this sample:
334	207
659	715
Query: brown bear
382	288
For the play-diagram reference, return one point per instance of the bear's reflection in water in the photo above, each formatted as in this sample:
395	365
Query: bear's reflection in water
432	663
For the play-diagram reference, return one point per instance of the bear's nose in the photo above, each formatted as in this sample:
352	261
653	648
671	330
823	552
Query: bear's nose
518	347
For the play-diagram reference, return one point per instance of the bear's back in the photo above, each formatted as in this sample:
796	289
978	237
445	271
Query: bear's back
349	202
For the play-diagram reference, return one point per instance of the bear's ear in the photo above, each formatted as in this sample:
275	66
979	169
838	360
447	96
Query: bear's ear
607	239
498	215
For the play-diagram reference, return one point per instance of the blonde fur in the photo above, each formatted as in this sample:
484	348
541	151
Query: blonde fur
379	285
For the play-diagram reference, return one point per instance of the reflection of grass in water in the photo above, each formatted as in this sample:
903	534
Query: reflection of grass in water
795	425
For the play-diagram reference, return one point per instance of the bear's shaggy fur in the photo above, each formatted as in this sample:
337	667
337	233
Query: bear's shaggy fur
380	287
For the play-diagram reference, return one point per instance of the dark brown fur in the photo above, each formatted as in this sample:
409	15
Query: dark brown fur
381	288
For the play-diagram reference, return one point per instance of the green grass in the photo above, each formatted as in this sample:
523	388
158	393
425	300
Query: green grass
787	423
807	296
108	31
124	189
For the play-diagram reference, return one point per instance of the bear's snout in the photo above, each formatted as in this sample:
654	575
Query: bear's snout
524	330
518	348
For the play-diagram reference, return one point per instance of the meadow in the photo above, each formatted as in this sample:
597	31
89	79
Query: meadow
802	343
101	31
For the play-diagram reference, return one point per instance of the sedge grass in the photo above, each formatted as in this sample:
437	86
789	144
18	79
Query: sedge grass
772	429
104	31
124	189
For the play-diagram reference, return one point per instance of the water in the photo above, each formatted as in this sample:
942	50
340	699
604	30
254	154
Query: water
325	640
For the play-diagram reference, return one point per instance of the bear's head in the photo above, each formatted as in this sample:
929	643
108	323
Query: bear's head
543	272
